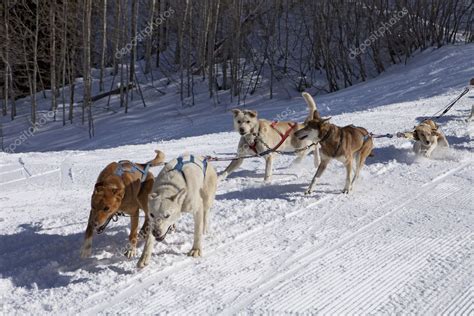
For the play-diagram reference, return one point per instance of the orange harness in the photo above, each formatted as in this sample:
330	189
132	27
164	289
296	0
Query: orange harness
283	136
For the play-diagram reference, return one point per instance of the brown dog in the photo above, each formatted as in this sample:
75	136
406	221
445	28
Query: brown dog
428	136
121	187
341	143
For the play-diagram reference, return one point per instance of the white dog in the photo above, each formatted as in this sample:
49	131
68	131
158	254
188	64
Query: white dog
258	136
186	184
427	137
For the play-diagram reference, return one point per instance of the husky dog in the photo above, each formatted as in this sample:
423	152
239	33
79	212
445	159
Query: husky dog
340	143
186	184
121	187
428	136
259	135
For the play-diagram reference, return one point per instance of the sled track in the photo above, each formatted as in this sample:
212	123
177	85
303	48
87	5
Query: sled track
253	286
309	257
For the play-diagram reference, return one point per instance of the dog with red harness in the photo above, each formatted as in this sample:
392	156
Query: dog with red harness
264	138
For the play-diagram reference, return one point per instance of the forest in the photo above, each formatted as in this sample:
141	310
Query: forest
231	45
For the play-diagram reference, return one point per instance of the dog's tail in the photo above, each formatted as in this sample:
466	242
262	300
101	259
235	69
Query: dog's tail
313	110
158	160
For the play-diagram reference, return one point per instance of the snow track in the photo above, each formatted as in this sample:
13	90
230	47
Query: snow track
334	279
400	243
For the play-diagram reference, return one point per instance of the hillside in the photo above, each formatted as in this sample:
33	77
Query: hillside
401	243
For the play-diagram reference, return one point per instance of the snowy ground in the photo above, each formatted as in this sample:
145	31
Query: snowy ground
402	242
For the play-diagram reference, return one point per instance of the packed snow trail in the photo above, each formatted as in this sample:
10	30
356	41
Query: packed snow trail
402	242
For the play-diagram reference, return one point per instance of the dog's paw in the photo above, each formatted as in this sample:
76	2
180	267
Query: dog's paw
346	190
143	262
130	253
222	176
267	180
195	253
307	192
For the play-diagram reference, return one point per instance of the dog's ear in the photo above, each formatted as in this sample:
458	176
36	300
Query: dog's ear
179	197
316	115
415	135
236	112
325	119
99	188
251	113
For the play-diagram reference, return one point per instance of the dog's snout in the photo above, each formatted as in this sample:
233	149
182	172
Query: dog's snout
241	130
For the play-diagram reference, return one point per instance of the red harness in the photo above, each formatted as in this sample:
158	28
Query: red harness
283	136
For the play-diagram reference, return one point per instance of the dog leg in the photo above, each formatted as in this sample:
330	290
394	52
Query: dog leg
443	141
147	250
316	156
348	186
360	160
322	166
86	249
231	168
144	230
268	167
196	251
131	250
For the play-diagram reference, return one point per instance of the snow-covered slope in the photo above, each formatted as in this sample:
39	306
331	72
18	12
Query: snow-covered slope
402	242
434	72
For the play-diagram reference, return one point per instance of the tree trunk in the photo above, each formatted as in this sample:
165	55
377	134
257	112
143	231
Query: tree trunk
133	55
87	63
104	44
35	66
52	48
149	40
7	59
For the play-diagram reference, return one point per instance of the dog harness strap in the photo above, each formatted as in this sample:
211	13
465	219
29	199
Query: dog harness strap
283	136
253	147
180	164
134	168
273	124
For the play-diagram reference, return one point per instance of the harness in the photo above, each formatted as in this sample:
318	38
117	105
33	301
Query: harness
134	168
283	136
120	171
181	163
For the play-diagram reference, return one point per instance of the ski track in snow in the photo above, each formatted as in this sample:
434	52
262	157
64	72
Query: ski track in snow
401	243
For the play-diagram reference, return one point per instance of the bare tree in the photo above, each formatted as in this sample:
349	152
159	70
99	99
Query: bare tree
87	63
52	50
104	44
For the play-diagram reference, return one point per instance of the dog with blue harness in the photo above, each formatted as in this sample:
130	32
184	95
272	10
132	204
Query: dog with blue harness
121	188
186	184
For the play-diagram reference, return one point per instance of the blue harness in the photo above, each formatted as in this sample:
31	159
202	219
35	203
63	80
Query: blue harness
181	162
121	169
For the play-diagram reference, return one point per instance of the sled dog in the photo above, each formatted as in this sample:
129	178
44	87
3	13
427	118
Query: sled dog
186	184
121	187
428	136
259	135
345	144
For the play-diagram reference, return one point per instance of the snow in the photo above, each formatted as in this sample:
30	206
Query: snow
401	243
